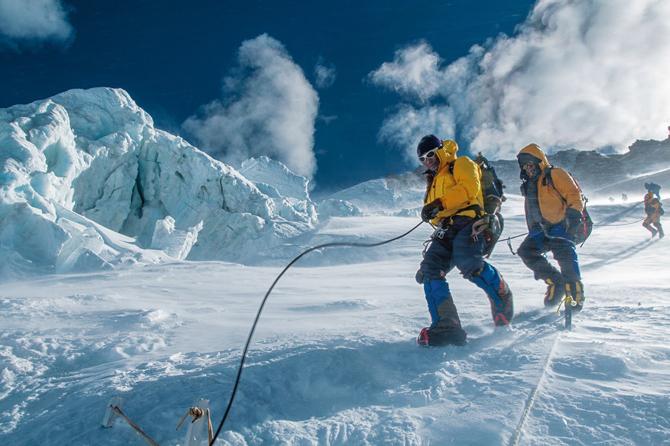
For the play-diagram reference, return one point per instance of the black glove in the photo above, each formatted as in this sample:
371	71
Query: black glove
573	221
431	210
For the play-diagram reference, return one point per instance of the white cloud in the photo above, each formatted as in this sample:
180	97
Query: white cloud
269	108
414	71
34	20
324	75
406	127
587	74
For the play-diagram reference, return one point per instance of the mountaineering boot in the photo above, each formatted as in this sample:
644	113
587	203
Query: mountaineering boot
661	234
499	294
441	336
555	291
653	232
445	328
424	338
503	314
576	291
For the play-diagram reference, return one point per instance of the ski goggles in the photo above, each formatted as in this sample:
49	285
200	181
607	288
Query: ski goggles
525	158
428	154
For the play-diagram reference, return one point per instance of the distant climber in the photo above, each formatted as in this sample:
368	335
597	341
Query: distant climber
554	208
453	203
624	196
654	209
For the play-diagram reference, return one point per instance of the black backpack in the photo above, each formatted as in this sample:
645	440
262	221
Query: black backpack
492	186
492	192
586	223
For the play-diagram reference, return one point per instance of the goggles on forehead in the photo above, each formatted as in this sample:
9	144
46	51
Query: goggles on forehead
428	154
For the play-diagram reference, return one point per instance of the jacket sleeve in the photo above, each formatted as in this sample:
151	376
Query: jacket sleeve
568	189
466	175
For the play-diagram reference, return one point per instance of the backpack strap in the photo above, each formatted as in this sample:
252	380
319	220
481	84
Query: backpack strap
548	181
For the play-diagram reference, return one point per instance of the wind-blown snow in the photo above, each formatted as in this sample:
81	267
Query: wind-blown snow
88	182
334	360
88	185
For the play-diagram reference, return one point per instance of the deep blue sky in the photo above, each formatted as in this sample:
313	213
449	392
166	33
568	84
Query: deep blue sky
171	56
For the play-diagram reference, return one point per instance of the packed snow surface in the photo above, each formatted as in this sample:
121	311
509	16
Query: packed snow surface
334	361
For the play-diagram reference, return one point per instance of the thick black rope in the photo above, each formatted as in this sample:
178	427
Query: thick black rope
260	309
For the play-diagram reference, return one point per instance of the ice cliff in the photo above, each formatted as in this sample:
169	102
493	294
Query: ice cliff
88	182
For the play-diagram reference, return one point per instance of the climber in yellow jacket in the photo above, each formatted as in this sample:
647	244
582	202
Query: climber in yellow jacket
453	203
553	205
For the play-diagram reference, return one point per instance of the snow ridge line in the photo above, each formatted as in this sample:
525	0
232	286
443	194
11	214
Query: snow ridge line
514	440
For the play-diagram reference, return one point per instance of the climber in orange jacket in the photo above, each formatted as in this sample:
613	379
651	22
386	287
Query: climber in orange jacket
553	205
654	209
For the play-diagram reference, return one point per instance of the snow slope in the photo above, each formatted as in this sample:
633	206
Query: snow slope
334	360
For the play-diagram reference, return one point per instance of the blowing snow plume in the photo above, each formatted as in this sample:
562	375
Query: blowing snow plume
269	108
589	74
33	21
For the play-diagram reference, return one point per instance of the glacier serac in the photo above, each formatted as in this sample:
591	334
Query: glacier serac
289	192
88	182
394	195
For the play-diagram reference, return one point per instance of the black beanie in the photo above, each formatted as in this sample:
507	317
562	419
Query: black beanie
428	143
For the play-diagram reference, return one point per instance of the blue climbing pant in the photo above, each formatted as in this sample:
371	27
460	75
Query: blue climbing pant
533	253
455	247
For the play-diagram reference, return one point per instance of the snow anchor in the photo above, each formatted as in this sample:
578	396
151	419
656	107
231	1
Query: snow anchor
114	411
200	431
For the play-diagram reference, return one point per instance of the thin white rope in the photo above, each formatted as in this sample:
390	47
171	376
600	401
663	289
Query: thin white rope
514	440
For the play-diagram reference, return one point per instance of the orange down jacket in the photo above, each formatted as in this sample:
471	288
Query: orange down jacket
554	200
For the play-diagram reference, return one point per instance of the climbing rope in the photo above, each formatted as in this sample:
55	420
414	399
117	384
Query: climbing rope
265	298
618	224
599	225
514	440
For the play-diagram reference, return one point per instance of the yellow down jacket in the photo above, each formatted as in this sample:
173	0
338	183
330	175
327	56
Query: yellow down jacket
457	190
554	200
